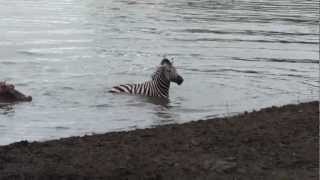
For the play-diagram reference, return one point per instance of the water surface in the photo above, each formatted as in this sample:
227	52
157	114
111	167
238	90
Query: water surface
234	55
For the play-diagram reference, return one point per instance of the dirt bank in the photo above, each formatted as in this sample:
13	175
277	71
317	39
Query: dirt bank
273	143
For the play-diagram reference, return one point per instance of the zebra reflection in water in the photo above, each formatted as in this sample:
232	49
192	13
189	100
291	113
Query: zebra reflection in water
158	86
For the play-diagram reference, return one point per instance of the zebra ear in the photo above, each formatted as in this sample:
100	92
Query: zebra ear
165	61
171	61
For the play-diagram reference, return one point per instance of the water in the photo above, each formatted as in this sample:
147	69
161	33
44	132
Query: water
234	55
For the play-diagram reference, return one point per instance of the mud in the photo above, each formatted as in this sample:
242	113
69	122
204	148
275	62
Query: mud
272	143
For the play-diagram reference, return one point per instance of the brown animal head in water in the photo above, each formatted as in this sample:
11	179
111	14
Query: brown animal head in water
9	94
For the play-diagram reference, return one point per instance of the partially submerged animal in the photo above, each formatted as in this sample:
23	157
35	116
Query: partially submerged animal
158	86
8	93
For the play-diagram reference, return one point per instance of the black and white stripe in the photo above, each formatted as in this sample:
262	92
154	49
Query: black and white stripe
157	87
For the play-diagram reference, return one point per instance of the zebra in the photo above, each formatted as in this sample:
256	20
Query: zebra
159	84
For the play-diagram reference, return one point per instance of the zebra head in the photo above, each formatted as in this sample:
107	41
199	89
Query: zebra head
169	71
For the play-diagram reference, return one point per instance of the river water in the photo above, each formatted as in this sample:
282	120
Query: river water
234	55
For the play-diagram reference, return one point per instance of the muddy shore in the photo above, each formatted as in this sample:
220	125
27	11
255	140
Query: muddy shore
272	143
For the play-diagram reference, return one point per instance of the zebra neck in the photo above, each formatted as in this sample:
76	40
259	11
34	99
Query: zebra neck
163	85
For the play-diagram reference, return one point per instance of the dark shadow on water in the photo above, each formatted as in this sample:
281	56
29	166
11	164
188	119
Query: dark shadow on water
158	101
162	110
6	108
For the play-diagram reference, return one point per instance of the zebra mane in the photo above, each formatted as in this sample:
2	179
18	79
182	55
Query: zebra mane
157	73
160	68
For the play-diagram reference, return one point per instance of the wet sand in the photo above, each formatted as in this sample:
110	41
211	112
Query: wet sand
272	143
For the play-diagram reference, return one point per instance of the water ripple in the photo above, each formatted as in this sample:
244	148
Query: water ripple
279	60
244	40
234	56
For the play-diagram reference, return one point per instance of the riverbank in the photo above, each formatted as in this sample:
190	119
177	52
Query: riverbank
272	143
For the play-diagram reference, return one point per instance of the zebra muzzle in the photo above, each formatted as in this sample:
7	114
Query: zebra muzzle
179	80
